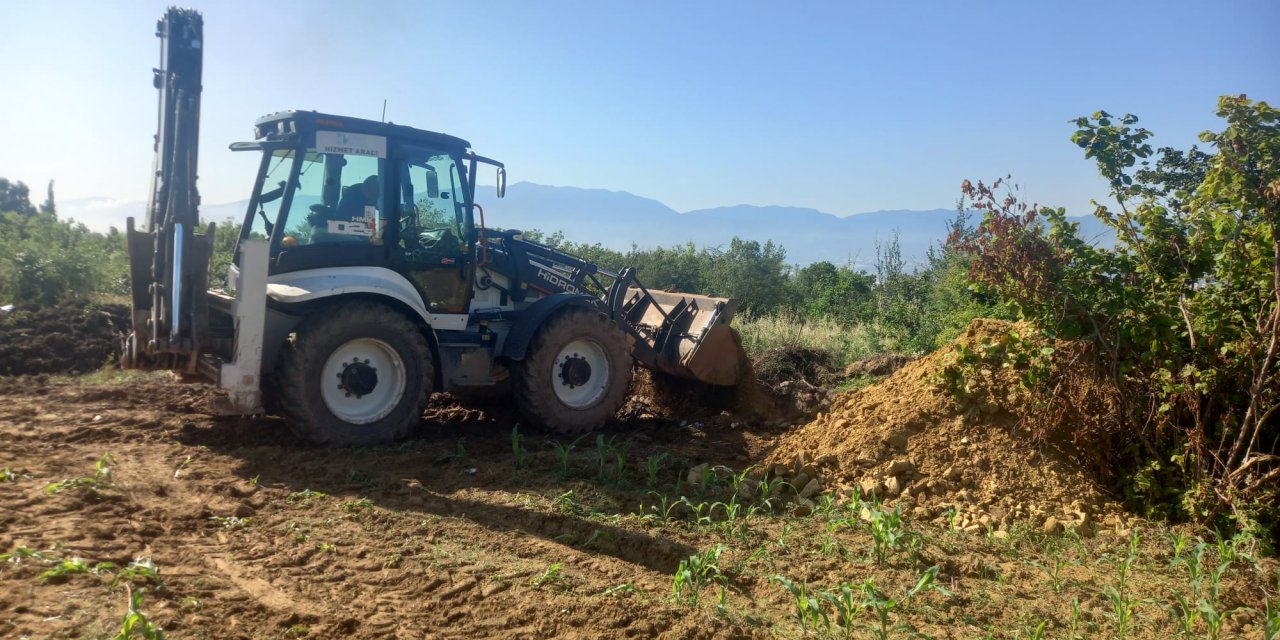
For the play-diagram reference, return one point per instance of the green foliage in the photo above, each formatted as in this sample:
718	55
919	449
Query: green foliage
1184	312
46	260
16	197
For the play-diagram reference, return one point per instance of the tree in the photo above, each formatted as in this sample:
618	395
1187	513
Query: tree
15	197
47	207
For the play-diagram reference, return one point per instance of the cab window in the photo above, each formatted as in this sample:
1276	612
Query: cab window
433	204
338	201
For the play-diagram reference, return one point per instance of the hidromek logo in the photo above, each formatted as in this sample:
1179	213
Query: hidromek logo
556	280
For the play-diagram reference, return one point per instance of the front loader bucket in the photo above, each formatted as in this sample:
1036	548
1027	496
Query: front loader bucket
684	335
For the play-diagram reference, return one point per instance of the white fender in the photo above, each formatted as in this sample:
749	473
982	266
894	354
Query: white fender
316	284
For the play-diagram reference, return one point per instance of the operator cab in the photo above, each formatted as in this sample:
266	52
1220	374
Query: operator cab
339	192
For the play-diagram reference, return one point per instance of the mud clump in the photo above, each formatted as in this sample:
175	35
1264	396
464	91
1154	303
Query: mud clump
966	452
68	338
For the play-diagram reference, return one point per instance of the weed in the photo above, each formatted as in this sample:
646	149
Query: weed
808	606
230	522
357	505
70	566
566	504
325	547
357	477
98	480
594	539
518	451
699	570
305	497
182	466
620	589
191	603
26	553
135	624
552	576
9	475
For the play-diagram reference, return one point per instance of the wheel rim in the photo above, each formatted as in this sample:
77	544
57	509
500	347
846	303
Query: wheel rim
580	375
362	381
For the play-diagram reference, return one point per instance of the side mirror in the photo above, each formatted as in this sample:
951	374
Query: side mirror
502	181
433	185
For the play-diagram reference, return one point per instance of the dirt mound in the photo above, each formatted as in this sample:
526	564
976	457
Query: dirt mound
72	337
877	364
948	442
778	364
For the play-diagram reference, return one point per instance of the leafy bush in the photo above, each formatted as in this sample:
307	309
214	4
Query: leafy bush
1184	313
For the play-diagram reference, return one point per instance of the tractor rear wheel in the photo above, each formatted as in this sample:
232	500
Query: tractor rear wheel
577	372
355	374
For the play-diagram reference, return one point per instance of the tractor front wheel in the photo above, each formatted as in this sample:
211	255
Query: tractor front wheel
577	372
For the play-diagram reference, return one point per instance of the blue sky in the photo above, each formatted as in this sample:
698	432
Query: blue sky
840	106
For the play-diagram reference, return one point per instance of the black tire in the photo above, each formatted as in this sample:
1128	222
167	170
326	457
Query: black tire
544	389
327	400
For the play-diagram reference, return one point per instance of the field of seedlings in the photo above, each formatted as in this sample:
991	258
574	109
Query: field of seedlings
895	510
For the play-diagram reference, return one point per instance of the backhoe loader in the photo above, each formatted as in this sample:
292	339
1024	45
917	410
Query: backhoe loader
364	279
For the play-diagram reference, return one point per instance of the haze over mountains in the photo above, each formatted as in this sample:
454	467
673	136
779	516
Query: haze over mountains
617	219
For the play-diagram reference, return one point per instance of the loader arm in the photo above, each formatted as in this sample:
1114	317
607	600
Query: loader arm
168	260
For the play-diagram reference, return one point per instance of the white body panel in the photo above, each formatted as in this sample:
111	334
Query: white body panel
240	377
315	284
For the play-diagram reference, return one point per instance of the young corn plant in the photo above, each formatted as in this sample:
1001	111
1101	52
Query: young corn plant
1123	610
518	451
847	605
552	576
142	569
1186	614
563	461
71	566
1178	541
1271	621
653	465
698	571
888	533
808	606
1054	570
1214	619
99	479
883	606
135	624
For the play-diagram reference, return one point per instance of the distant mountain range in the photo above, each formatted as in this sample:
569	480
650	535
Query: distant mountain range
618	220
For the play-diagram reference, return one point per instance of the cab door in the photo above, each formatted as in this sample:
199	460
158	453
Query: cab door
433	247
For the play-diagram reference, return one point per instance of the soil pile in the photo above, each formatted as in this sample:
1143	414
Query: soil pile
72	337
954	445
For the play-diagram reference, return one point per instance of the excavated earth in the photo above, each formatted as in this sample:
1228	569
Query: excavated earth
968	461
64	338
